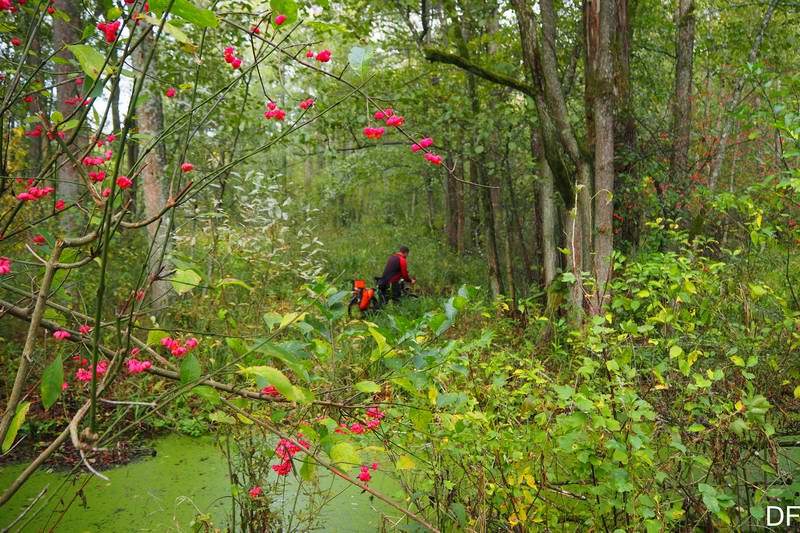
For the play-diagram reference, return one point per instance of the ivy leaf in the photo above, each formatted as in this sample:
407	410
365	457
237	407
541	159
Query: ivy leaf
16	423
52	378
90	59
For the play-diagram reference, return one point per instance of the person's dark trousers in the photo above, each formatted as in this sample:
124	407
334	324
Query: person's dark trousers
390	292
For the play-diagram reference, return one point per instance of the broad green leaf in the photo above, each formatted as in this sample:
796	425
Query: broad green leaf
359	58
154	337
52	379
190	369
277	379
176	32
185	280
90	59
291	318
368	387
70	124
189	12
675	351
221	418
271	319
16	423
343	455
233	281
738	361
207	393
308	471
405	462
284	7
285	356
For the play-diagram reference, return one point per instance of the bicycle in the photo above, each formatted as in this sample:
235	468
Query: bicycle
367	301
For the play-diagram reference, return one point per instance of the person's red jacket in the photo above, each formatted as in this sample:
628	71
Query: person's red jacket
396	269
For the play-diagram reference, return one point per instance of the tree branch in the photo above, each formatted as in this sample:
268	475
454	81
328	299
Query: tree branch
440	56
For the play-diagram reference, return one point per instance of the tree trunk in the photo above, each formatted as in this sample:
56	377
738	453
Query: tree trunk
604	152
150	120
547	214
625	138
64	33
682	97
719	158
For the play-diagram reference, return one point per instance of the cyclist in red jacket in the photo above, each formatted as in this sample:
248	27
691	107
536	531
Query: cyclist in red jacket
395	270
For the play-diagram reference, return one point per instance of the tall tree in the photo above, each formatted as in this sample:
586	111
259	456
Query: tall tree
67	30
150	121
682	97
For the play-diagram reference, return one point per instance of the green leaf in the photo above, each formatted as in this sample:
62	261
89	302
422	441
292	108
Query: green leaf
176	32
154	337
207	393
285	356
278	379
369	387
70	124
738	361
221	418
308	471
52	379
359	58
405	462
233	281
190	369
675	351
189	12
185	280
284	7
90	59
16	423
344	455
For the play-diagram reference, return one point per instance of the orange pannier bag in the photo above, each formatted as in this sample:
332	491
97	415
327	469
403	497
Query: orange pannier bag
366	296
359	284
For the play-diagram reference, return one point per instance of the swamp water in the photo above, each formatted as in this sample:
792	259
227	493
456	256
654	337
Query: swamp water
187	477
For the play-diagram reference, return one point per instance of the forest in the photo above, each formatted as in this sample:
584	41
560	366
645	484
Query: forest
400	265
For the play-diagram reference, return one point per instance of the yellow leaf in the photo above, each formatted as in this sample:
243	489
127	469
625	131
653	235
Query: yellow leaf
433	394
530	481
405	462
797	392
740	406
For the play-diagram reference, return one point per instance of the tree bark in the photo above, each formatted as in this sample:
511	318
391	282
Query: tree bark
625	136
603	76
150	120
65	33
682	97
